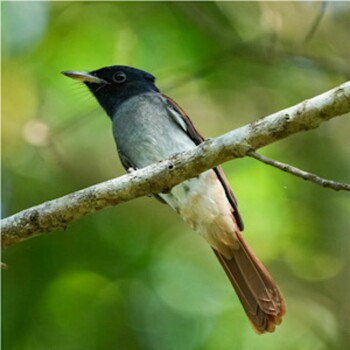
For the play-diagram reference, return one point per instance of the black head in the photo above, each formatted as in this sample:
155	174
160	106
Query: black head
115	84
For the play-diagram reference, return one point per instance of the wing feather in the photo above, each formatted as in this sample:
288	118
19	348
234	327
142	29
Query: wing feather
197	138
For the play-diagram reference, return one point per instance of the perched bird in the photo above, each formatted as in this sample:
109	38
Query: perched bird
149	127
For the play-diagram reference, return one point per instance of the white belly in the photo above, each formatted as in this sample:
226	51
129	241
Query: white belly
203	204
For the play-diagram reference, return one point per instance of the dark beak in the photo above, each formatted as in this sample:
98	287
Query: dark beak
84	77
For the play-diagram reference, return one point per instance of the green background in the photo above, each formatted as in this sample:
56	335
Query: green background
135	276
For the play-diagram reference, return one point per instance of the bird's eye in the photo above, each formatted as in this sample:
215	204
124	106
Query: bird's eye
119	77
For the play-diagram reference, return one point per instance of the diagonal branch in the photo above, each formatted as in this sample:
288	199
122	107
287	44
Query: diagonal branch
160	177
301	173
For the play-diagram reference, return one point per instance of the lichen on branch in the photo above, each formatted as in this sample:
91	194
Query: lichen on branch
58	213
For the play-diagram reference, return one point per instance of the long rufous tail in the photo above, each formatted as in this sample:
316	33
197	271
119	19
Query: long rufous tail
258	293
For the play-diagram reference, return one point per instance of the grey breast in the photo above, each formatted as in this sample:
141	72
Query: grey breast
146	132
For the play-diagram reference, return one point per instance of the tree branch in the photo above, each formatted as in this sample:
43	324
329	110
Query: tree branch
160	177
301	173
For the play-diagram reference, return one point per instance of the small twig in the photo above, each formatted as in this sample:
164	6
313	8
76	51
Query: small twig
316	22
159	177
301	173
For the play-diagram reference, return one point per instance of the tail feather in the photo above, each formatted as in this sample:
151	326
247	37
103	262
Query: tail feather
258	293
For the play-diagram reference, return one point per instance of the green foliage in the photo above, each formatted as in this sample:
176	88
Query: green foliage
135	276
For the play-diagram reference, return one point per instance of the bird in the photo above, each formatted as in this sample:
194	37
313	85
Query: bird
148	127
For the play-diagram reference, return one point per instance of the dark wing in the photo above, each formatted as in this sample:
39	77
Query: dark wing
129	166
190	129
125	161
197	139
